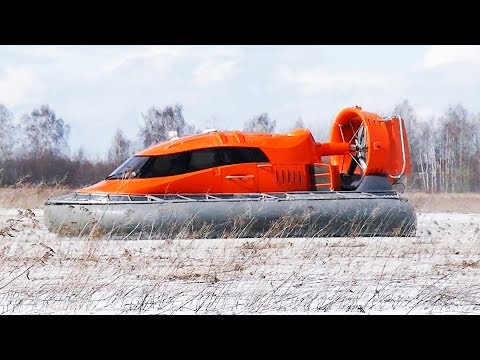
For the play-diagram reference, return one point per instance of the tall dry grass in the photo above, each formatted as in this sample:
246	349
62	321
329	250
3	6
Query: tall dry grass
444	202
435	272
426	274
34	196
21	196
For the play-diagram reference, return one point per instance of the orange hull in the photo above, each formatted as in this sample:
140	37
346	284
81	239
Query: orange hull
361	144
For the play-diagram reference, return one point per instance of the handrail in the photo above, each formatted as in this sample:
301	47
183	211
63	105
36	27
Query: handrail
239	176
289	196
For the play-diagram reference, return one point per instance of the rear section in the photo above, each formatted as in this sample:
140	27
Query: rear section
365	153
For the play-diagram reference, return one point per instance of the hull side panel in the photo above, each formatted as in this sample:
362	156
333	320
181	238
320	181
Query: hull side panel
302	216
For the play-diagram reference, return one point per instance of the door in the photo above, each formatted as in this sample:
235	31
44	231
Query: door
239	178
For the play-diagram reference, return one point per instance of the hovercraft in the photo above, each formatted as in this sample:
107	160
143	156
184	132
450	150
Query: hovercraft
252	184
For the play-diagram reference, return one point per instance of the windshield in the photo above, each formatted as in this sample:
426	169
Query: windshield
129	169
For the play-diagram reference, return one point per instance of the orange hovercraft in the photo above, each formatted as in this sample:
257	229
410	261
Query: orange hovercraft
220	183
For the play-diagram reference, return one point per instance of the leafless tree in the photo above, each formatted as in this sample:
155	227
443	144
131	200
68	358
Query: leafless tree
79	156
260	123
7	133
424	155
45	133
298	124
120	149
456	149
444	151
159	122
415	136
474	161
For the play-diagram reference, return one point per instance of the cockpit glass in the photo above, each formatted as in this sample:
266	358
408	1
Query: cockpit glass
129	169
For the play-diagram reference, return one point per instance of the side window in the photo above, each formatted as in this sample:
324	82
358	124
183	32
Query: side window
203	159
166	165
157	166
179	163
195	160
258	155
239	155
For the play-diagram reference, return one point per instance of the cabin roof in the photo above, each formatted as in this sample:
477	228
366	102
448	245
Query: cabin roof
229	138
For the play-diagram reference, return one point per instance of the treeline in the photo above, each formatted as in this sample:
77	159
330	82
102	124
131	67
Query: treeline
36	149
445	149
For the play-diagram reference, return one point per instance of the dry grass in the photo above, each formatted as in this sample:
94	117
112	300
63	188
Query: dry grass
440	202
29	196
435	272
428	274
34	196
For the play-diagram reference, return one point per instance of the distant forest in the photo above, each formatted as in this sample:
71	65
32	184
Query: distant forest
445	149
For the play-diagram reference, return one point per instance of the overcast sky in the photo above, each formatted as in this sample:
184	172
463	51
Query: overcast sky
99	88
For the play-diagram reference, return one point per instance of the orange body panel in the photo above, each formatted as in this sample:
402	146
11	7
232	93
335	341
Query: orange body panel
399	162
289	155
292	158
278	147
203	181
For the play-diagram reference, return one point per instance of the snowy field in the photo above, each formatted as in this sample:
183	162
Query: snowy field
436	272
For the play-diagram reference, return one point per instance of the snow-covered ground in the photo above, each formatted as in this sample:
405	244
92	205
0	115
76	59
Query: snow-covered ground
436	272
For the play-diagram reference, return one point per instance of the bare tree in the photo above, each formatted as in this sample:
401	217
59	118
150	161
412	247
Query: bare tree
45	133
418	140
260	123
474	161
159	122
425	158
7	133
298	124
444	151
79	156
456	147
120	149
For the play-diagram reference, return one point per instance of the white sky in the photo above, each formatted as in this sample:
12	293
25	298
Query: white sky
99	88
